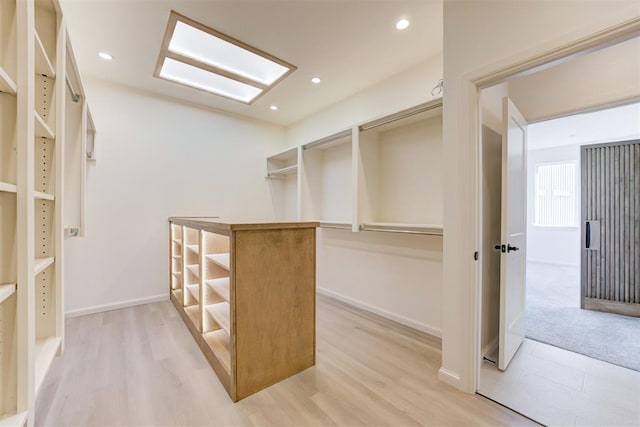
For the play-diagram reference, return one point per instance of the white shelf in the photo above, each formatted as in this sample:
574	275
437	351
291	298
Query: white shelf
6	291
41	128
46	350
194	248
43	196
221	259
220	313
194	269
392	227
41	264
13	420
5	187
42	63
220	286
7	85
282	171
194	290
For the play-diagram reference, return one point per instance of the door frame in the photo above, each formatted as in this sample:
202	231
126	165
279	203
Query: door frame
470	125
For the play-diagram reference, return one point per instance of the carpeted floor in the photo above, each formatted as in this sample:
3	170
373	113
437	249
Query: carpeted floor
554	317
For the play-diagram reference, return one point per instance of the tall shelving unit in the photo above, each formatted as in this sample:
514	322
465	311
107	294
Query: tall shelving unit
34	122
283	176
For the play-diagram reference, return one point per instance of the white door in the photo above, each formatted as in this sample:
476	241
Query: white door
514	226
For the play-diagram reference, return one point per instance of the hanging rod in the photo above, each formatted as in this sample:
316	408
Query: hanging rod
386	230
75	97
336	227
327	139
401	115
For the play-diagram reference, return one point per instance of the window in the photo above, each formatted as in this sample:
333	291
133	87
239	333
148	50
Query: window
555	198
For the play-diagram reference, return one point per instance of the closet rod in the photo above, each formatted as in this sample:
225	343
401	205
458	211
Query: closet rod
75	97
336	227
386	230
327	139
401	115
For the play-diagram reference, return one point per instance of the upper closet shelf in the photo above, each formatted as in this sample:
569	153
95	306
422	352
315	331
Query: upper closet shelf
282	171
42	130
6	291
388	227
7	85
42	62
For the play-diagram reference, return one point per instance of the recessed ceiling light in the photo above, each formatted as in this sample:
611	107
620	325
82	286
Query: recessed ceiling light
402	24
195	45
105	56
316	80
274	108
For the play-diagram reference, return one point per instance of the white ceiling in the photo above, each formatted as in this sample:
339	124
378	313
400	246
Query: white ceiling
350	44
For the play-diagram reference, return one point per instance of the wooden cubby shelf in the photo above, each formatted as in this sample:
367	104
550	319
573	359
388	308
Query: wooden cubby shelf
6	291
223	260
220	287
252	311
7	85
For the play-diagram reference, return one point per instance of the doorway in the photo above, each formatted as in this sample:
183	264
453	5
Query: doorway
547	382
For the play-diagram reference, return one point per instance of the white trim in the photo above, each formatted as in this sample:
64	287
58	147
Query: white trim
449	377
116	306
549	262
422	327
490	348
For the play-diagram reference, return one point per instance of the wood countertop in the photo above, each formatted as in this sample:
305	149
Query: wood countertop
226	224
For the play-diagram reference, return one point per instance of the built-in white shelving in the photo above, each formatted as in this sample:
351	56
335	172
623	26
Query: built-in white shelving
43	65
222	260
7	85
42	129
41	264
45	351
6	291
8	188
43	196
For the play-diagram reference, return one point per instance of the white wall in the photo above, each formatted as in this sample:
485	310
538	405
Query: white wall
397	276
156	159
482	36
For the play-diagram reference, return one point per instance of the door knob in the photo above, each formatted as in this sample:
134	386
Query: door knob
512	248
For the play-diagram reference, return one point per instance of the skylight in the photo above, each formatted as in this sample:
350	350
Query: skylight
201	57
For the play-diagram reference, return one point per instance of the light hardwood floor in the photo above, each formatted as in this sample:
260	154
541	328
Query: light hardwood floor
140	367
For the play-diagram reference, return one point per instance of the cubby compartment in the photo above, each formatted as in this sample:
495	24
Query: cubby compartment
8	46
216	280
400	170
282	175
326	183
46	23
44	231
8	141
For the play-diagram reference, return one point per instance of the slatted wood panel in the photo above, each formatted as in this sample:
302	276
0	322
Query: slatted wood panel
611	195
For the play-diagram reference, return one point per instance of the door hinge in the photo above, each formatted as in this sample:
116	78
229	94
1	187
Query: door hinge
476	255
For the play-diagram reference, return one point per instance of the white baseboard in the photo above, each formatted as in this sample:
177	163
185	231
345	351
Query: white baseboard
551	262
422	327
490	348
115	306
449	377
